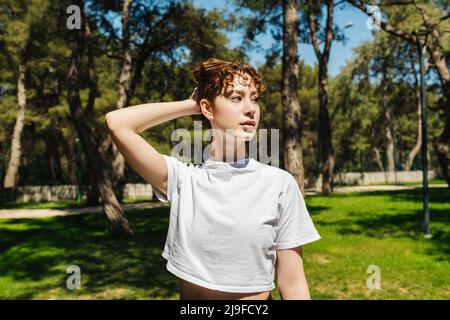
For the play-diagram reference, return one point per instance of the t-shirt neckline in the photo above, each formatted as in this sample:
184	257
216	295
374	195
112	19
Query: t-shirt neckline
240	164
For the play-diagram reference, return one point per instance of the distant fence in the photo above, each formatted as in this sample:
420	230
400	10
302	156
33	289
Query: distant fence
366	178
66	192
143	190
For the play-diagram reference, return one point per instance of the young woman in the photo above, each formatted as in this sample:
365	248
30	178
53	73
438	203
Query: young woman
236	224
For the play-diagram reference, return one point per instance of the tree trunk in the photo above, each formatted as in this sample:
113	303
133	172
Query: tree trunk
378	159
12	172
293	154
118	161
312	175
54	160
388	120
324	140
92	74
389	147
69	153
413	153
441	144
327	160
442	152
113	210
92	192
105	144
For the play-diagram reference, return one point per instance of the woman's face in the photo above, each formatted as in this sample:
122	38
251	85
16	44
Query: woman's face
236	110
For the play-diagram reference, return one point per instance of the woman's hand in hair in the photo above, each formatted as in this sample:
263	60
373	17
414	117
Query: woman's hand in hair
194	96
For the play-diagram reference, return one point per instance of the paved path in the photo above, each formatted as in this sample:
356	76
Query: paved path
378	188
43	213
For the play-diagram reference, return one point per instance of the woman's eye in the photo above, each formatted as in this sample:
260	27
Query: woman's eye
237	97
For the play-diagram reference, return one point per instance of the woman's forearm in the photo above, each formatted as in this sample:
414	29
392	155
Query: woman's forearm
296	290
299	291
143	116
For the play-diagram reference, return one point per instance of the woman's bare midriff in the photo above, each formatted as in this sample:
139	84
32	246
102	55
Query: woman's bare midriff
191	291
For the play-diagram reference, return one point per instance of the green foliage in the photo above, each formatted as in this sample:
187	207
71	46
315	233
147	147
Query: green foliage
185	35
358	116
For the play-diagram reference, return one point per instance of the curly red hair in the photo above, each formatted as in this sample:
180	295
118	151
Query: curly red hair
213	76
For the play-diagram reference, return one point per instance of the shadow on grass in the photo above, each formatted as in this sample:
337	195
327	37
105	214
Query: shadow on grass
46	247
62	204
404	225
436	195
400	223
32	251
316	209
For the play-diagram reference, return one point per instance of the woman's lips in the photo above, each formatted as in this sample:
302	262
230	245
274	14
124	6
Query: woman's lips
249	123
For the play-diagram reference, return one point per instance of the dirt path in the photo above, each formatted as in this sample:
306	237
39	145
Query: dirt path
377	188
43	213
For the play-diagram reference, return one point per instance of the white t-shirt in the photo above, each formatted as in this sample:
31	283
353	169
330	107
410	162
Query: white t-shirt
227	220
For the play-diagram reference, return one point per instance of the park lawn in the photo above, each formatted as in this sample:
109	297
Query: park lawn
358	230
382	229
416	183
62	204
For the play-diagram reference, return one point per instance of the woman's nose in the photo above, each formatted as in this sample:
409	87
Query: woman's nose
250	108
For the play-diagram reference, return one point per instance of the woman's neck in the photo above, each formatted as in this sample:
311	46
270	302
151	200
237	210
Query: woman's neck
228	152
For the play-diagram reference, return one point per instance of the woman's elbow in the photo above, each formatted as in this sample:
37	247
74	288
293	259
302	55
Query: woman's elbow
111	121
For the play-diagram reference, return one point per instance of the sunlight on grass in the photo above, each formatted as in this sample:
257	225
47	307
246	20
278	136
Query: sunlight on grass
63	204
357	229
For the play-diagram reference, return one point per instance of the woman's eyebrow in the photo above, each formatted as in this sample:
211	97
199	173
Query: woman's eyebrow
242	92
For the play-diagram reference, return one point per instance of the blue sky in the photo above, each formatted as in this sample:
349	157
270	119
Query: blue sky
339	52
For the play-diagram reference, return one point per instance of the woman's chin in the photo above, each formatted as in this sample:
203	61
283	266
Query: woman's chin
244	134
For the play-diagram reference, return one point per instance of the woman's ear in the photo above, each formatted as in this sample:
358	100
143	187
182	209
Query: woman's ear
207	108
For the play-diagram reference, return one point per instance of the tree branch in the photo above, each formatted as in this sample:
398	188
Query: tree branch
393	3
425	17
329	28
444	17
311	17
385	26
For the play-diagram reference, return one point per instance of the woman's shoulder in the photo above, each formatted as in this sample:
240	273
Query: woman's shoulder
273	170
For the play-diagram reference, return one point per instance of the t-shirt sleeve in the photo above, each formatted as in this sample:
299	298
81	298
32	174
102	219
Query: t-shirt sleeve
176	172
295	226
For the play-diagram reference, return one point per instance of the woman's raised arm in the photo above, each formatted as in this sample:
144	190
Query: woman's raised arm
124	126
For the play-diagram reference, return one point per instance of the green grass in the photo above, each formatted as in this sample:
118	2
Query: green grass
417	183
62	204
382	229
357	229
